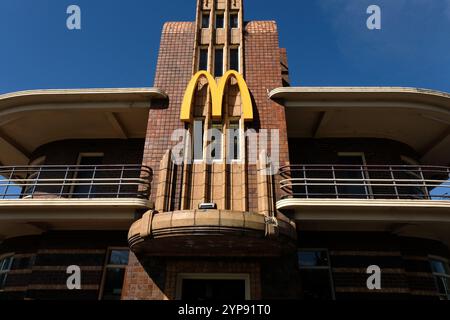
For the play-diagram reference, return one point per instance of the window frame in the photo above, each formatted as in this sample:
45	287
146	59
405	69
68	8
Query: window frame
208	15
231	143
234	13
82	155
5	272
437	276
238	49
199	64
222	14
107	266
203	121
221	49
368	186
220	158
329	268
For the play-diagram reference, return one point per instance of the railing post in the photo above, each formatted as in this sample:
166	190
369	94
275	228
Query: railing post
427	194
394	183
305	181
92	182
11	175
36	179
120	183
64	182
336	190
363	175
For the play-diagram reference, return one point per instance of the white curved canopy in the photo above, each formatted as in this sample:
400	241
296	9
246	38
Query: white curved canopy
417	117
29	119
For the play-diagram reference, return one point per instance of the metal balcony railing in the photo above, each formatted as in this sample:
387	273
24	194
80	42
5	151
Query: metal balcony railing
84	182
365	182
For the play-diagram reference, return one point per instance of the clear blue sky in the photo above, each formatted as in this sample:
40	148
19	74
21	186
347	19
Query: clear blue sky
327	41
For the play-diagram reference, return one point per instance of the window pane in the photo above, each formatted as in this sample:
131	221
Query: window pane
205	21
2	280
234	20
234	59
443	285
313	259
219	21
218	63
316	284
82	190
198	140
439	267
6	263
112	289
234	141
203	59
118	257
216	145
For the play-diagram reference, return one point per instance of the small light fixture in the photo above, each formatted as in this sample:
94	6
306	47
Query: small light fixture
207	206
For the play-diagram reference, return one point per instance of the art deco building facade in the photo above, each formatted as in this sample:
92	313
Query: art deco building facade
89	179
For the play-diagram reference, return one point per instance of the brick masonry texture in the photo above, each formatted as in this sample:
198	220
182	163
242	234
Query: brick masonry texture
40	264
406	271
173	72
263	73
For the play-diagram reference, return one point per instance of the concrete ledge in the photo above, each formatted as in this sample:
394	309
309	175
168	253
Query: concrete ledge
64	203
365	210
207	232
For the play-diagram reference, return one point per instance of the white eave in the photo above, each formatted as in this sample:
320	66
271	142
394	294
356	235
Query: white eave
417	117
29	119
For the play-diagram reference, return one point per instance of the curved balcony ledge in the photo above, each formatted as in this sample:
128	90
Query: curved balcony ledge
365	210
76	204
202	233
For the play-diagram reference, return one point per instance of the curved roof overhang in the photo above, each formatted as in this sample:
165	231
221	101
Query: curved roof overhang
29	119
417	117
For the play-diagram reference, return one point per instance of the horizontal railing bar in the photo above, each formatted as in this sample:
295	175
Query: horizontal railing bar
368	181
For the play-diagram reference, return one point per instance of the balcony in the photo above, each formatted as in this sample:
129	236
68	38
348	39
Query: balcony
353	192
75	182
94	197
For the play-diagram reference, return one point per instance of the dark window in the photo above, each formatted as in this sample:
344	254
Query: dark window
203	59
234	59
205	20
213	290
355	186
218	63
219	21
441	273
114	274
5	267
84	176
316	274
234	20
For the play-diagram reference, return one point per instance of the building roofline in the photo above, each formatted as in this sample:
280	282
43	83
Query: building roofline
404	94
46	96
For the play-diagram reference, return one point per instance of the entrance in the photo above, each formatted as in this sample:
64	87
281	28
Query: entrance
199	287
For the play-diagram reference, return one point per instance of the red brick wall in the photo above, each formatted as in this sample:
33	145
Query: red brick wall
263	73
173	72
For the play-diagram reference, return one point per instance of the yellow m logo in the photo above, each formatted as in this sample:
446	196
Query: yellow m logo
217	93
